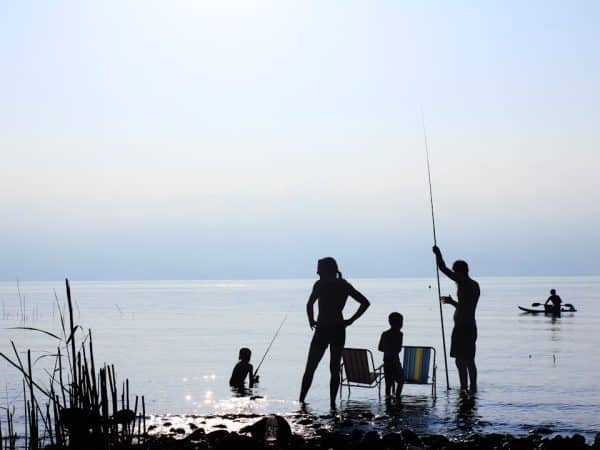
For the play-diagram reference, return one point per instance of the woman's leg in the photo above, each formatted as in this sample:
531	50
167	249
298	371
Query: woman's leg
315	353
335	352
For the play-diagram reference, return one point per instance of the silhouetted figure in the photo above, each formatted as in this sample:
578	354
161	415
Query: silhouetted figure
332	291
243	369
390	344
555	301
464	334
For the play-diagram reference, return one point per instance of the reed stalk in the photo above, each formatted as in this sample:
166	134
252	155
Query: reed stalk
82	406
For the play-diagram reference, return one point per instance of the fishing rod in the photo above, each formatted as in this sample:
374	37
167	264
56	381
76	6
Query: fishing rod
437	270
270	344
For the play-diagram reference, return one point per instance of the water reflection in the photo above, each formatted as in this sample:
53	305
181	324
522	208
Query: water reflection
241	392
554	329
467	418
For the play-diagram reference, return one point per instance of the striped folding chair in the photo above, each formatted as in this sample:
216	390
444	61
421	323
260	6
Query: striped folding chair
417	363
358	370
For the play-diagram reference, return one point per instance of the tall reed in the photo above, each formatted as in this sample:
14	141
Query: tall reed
78	407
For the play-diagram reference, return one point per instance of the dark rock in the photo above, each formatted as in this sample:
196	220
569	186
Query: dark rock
305	421
192	426
180	431
525	443
334	441
392	440
297	442
196	435
234	441
492	440
282	431
371	439
597	441
217	435
410	437
356	435
151	427
577	442
220	425
435	441
167	424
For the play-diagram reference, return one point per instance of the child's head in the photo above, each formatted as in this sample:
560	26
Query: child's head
396	320
553	291
327	268
245	354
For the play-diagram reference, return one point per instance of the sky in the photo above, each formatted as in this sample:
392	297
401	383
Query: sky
205	139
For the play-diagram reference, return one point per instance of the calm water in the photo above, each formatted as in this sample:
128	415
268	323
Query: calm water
177	341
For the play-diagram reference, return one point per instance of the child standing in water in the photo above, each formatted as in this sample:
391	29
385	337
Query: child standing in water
242	370
391	345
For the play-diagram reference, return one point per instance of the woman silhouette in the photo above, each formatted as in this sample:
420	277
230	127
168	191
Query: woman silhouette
332	291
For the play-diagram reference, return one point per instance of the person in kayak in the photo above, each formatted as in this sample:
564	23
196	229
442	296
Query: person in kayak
331	291
556	302
464	334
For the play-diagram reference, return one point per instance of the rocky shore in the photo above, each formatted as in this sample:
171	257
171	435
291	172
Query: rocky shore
271	432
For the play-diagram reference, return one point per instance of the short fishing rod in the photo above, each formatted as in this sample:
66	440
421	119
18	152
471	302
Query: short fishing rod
269	346
437	270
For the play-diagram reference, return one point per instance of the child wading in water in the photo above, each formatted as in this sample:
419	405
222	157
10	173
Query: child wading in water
391	345
242	370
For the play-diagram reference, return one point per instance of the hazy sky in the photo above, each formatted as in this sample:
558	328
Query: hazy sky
239	139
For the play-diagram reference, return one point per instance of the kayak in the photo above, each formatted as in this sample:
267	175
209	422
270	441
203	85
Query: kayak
545	310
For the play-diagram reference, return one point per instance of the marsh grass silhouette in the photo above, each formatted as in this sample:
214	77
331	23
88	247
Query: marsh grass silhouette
80	407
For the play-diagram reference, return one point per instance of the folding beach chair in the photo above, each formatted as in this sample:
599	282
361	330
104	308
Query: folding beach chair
360	370
417	362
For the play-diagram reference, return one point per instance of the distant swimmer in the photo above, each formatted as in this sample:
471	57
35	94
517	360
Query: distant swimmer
555	301
464	334
331	291
390	344
243	369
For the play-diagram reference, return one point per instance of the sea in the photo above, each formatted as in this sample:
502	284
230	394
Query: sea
177	342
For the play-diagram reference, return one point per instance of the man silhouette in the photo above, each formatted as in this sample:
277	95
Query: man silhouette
464	334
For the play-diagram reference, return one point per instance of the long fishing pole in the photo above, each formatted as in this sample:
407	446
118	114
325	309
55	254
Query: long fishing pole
437	270
270	344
